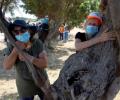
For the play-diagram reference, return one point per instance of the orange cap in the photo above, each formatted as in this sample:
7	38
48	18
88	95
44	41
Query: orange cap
95	15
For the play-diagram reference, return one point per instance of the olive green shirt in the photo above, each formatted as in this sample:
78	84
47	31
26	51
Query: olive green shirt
24	81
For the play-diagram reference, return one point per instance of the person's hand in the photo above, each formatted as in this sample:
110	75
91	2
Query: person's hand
21	58
21	45
29	57
105	36
14	51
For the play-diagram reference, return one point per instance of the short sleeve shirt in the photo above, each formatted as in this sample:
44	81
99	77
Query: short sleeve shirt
24	78
81	36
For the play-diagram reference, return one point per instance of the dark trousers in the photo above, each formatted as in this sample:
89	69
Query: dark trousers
27	98
32	98
61	36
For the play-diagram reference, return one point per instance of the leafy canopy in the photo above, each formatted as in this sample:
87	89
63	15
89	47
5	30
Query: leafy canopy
70	11
8	5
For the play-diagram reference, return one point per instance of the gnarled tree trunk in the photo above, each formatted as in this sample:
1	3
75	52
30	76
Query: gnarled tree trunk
87	75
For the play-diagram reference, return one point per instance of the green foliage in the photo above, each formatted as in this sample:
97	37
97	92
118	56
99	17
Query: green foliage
79	13
70	11
43	7
8	5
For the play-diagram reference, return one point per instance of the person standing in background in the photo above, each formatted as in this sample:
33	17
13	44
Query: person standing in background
66	34
61	30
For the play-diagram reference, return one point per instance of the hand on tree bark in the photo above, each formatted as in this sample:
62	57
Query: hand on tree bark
29	57
15	51
106	36
21	58
21	45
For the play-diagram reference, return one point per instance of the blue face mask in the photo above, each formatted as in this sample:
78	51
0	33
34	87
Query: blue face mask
25	37
91	30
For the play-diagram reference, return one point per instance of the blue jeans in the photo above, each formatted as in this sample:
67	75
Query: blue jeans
65	36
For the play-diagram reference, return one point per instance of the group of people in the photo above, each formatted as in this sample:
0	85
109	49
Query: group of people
36	54
63	33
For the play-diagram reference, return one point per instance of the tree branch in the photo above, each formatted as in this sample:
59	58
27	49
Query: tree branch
1	4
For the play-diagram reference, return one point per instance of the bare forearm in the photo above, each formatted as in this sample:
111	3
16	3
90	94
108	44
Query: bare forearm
40	63
10	60
82	45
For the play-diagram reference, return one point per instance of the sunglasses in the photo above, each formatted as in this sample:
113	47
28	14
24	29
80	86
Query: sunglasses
20	31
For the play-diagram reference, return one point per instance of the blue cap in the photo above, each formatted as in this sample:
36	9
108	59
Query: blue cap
21	23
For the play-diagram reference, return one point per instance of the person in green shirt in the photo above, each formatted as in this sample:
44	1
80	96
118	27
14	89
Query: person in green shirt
26	86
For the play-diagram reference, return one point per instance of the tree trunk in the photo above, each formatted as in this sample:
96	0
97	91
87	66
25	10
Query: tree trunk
53	34
87	75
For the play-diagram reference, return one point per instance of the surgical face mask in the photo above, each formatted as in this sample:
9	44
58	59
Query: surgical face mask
25	37
91	30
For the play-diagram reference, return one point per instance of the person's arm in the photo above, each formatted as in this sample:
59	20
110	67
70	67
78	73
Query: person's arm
40	62
102	38
82	45
10	60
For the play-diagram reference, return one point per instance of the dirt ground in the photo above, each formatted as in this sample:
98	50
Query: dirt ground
57	56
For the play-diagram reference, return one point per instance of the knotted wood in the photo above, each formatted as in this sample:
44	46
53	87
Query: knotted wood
86	75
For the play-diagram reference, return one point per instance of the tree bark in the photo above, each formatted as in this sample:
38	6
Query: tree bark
88	75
